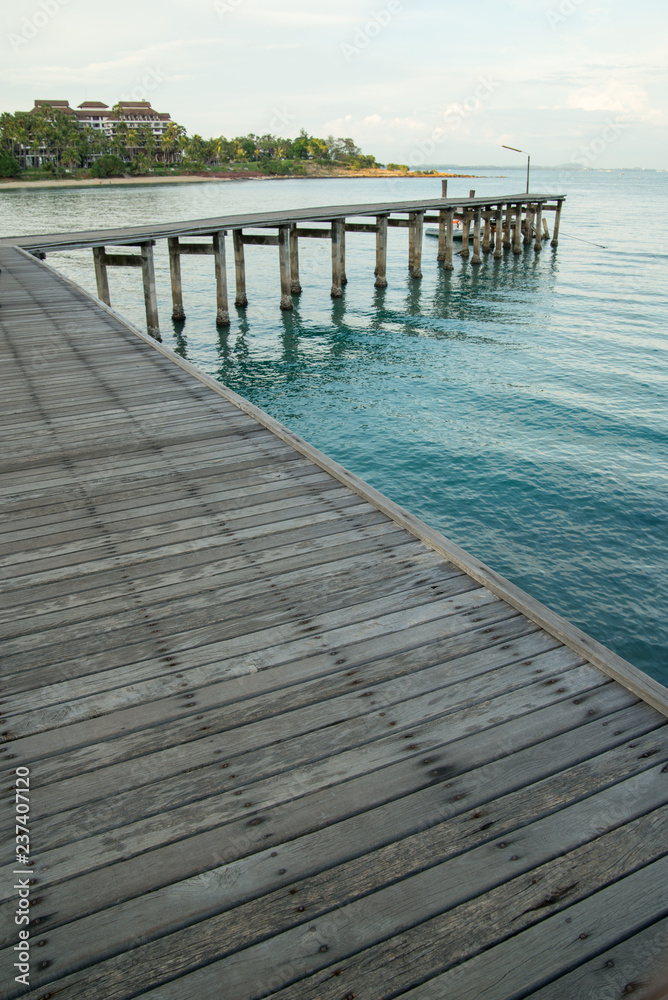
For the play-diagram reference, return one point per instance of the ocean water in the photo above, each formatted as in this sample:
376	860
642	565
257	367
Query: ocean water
519	407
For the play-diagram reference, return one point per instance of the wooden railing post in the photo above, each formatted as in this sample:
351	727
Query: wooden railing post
381	251
101	276
219	262
175	274
150	295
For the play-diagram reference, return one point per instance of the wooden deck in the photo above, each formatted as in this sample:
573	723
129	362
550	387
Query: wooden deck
284	739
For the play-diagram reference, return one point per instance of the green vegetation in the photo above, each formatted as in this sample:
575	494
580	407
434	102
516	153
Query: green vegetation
47	141
9	167
108	165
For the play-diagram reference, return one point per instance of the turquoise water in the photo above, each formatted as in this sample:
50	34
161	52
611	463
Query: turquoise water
518	406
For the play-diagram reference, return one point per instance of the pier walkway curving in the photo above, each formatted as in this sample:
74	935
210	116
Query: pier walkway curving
284	739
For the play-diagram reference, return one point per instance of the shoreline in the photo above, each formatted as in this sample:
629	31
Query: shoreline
14	185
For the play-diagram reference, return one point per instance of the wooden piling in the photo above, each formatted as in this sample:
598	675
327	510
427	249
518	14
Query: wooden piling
418	237
442	217
178	312
517	245
150	294
337	268
241	300
381	251
411	240
498	243
546	231
538	244
284	261
508	227
476	258
487	234
444	189
472	194
528	224
557	219
222	308
466	227
295	286
449	241
344	276
101	276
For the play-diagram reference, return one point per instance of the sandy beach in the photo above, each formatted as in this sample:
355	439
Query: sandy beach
12	185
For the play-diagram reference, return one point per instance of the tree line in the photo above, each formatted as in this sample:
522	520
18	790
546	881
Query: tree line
50	138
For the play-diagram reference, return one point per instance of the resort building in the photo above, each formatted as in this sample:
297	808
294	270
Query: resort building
97	115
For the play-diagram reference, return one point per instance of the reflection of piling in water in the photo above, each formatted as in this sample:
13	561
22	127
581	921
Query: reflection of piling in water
489	223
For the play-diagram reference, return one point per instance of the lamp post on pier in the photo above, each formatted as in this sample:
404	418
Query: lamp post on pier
528	160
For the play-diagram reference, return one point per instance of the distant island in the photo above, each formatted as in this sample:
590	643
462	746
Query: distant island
130	140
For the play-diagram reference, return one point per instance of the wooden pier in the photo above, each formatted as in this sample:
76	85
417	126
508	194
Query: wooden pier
496	224
284	739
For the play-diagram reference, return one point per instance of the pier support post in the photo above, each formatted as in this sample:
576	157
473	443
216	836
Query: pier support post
444	189
241	300
101	276
555	230
487	235
344	276
337	268
441	236
517	245
411	240
508	227
538	245
466	228
295	286
546	231
418	238
175	274
284	258
449	232
528	224
222	308
381	251
498	243
150	295
476	258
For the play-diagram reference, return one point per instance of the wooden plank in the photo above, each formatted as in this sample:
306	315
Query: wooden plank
459	629
595	924
418	954
258	968
589	866
543	746
331	722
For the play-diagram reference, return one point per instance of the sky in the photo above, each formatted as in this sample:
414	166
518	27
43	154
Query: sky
411	81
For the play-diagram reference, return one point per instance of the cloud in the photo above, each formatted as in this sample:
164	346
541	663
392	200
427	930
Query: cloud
624	97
